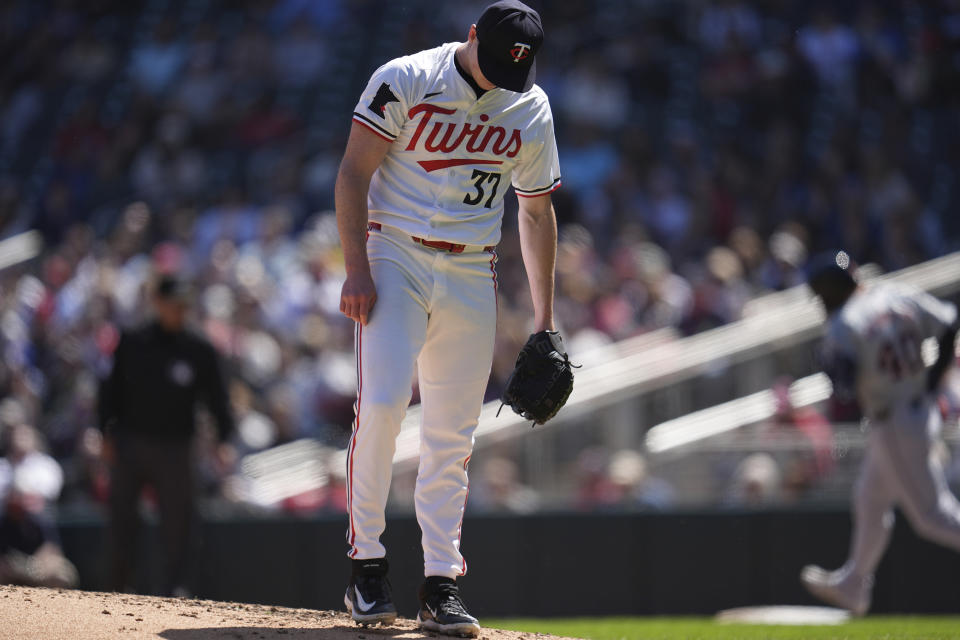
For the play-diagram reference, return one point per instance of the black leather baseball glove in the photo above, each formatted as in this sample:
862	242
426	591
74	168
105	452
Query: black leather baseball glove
542	380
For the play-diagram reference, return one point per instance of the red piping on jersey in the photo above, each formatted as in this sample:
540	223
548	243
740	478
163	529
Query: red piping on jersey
353	442
537	195
433	165
359	121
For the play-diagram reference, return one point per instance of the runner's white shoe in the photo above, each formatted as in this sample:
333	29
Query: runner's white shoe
838	588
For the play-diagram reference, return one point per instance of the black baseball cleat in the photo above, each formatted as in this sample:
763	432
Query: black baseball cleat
442	610
368	596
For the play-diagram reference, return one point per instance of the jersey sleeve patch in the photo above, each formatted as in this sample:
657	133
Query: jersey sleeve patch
382	107
380	101
542	191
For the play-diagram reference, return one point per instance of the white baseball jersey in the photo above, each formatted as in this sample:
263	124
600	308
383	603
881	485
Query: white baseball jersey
453	155
881	330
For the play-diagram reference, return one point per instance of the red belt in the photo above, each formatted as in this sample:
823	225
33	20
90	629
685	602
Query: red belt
433	244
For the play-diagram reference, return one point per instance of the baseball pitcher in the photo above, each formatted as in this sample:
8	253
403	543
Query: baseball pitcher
437	138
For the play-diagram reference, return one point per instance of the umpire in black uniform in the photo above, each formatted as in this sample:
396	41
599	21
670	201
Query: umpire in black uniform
147	405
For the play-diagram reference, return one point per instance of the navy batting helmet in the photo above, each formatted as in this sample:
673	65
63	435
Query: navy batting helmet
830	276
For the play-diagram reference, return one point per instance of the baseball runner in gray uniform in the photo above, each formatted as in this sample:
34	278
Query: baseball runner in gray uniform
872	351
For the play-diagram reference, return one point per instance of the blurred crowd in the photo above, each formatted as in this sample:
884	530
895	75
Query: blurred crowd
707	149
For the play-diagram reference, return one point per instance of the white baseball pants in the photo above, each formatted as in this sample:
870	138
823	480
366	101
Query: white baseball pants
900	469
438	310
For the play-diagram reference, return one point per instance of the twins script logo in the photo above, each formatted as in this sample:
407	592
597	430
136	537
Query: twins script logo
449	137
519	51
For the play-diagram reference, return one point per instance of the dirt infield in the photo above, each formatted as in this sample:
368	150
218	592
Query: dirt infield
56	614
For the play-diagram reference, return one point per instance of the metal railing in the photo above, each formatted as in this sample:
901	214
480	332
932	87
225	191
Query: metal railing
776	321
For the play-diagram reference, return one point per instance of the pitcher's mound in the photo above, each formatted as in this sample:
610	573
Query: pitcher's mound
784	615
56	614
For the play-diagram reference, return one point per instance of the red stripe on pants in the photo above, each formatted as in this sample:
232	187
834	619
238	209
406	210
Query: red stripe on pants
463	569
353	439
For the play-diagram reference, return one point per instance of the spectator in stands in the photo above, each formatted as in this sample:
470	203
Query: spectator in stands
249	56
87	472
323	14
721	292
21	109
30	483
155	63
30	551
25	463
169	170
199	92
757	481
594	96
784	266
89	58
619	481
726	20
670	300
255	431
809	422
831	49
630	474
595	490
299	56
498	489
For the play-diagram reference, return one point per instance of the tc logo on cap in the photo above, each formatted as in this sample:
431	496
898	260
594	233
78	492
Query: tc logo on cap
519	51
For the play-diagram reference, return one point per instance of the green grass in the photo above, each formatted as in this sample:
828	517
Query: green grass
873	627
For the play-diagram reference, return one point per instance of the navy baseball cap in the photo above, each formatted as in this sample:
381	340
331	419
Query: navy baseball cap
830	275
509	35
